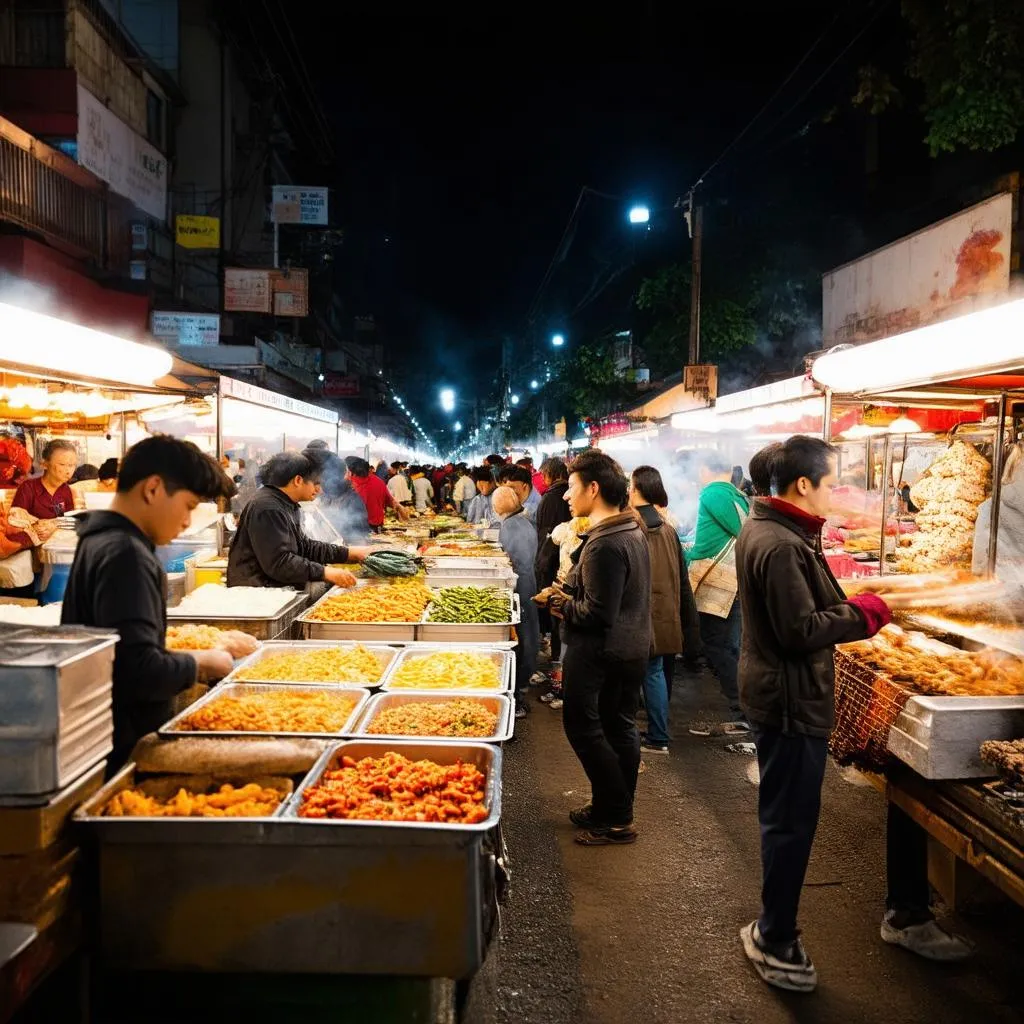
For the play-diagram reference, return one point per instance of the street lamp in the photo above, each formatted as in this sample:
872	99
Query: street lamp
457	426
639	215
534	385
515	399
558	340
448	399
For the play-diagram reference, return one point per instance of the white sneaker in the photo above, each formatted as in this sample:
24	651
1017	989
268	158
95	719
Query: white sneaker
927	940
791	970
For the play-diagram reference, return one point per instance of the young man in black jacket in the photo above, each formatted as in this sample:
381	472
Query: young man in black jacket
607	615
794	613
117	583
270	548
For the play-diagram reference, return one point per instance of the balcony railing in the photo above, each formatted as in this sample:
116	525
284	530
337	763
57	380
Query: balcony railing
48	194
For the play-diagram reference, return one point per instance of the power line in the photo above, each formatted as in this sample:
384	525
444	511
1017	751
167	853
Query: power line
560	253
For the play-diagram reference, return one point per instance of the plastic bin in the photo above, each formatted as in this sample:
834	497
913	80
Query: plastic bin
58	583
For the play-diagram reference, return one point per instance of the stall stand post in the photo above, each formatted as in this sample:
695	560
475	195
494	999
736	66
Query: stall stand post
886	475
826	422
997	482
220	423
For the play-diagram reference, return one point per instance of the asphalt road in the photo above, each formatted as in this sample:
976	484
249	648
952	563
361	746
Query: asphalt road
649	933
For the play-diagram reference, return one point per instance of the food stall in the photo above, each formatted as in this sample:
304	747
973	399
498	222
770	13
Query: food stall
934	690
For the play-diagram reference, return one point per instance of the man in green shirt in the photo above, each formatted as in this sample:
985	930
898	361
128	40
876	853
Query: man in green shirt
721	513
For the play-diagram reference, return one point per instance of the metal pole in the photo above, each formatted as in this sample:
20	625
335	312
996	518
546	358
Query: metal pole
220	423
275	244
886	477
826	424
697	233
997	483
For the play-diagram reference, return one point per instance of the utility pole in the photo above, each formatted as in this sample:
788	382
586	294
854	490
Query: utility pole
695	223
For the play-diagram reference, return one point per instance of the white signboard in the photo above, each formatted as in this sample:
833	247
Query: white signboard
231	388
124	160
300	205
186	328
945	270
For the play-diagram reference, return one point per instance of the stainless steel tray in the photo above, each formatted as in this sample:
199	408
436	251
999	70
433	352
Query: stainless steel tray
504	659
485	756
456	632
315	629
497	703
175	726
164	786
386	655
262	628
292	896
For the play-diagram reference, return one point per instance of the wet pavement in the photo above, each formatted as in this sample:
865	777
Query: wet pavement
649	932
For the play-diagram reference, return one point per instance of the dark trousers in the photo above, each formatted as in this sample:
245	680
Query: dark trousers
599	718
906	868
721	639
668	661
792	771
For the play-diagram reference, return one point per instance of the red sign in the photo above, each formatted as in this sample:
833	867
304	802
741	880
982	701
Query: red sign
337	385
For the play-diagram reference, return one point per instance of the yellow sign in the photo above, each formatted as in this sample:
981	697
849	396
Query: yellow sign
194	232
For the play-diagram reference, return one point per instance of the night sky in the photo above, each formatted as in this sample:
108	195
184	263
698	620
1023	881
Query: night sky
460	148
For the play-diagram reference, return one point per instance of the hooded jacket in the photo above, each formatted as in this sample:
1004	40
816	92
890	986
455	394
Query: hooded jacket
675	626
270	549
116	582
794	613
610	584
553	509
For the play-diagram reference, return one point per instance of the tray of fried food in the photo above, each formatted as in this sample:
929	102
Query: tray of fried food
931	667
306	662
1007	757
198	796
958	588
195	636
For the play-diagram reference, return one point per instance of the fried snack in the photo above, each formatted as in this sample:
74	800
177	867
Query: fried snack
193	637
393	788
1007	756
400	601
447	670
273	711
319	665
460	717
956	674
251	801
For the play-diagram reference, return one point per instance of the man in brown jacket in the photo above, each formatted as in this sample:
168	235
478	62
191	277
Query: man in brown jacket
675	626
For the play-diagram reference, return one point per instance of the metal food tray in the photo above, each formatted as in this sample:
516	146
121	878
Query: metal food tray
165	786
454	632
485	756
496	565
315	629
441	581
504	659
498	703
285	895
173	728
384	653
261	627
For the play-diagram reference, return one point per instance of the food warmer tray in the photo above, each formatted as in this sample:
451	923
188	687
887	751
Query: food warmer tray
940	737
1002	638
504	659
384	653
315	629
286	895
260	627
479	632
498	703
496	566
175	727
55	706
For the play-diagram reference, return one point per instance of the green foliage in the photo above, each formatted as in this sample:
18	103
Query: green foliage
876	91
969	57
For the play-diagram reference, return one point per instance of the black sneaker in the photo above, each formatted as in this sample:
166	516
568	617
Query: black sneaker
521	711
648	747
611	835
583	817
787	967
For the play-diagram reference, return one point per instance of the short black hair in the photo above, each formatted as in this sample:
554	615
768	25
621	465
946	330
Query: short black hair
801	456
482	473
555	468
281	469
86	471
357	466
647	480
318	444
58	445
524	461
595	467
396	466
761	465
519	474
108	470
494	459
180	464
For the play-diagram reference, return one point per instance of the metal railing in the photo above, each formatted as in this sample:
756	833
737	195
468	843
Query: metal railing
47	193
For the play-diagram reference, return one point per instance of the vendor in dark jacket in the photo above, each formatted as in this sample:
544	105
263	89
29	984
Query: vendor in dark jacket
117	583
794	613
606	608
270	548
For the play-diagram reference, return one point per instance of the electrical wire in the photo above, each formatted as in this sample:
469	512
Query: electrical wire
561	251
771	99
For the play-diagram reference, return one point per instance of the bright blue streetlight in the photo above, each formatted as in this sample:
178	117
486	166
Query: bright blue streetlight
639	215
448	399
457	426
534	385
558	340
515	399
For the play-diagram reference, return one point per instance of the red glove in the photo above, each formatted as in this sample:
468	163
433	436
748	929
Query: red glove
875	611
